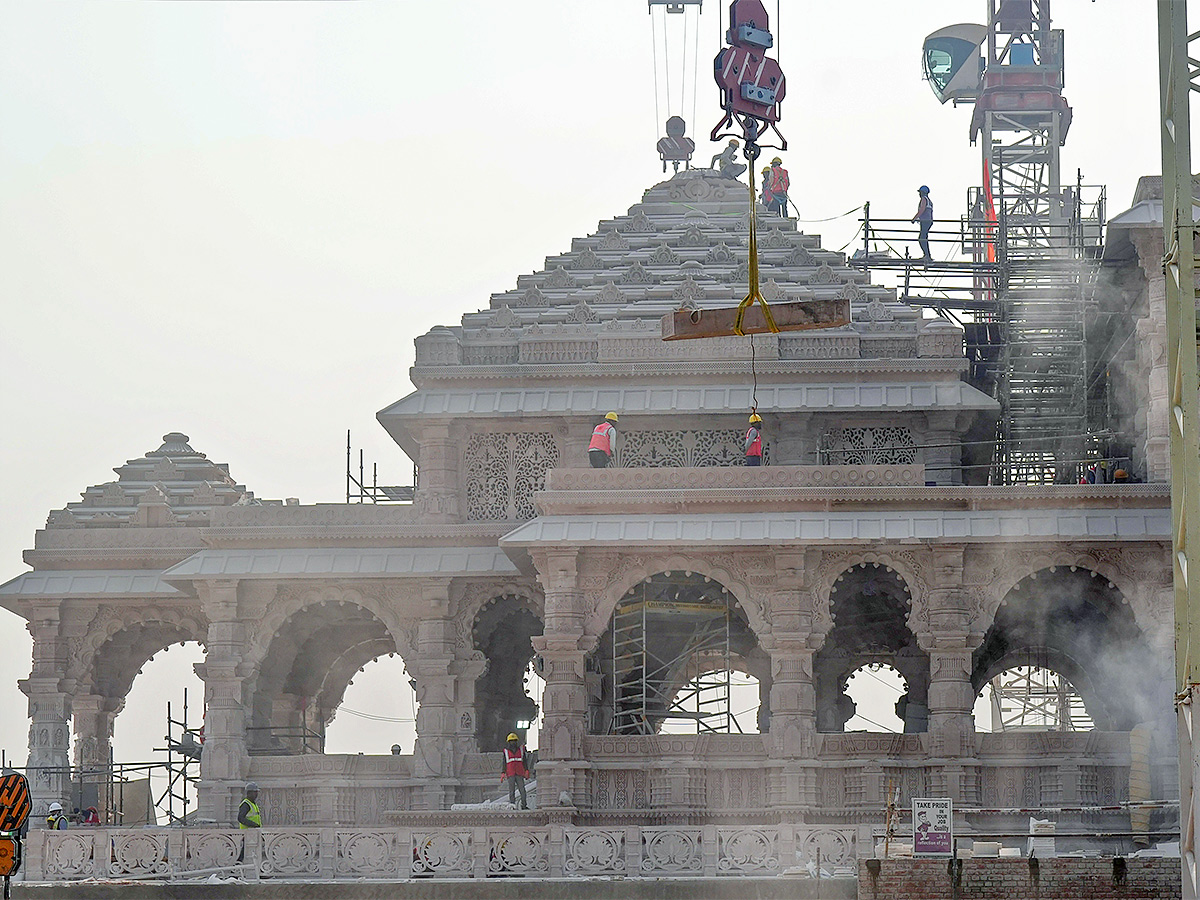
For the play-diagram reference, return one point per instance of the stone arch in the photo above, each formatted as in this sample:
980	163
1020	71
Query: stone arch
304	654
834	565
870	607
288	603
118	643
1009	570
501	631
636	570
681	601
1077	623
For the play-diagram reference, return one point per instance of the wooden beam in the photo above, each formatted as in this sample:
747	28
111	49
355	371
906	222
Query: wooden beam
796	315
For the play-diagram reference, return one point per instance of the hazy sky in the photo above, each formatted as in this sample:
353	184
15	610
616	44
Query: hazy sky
232	219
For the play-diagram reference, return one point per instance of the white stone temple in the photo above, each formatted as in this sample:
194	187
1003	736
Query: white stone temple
871	536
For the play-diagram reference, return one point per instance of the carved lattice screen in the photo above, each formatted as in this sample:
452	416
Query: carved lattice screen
679	448
887	446
502	471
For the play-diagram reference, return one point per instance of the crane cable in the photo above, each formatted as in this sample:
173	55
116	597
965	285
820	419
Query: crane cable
755	292
654	52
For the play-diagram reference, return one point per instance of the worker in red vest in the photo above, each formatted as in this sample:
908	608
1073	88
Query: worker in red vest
515	771
778	183
604	438
753	444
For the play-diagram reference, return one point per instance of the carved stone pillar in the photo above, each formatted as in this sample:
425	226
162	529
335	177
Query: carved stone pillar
564	651
792	736
49	713
1152	357
438	492
950	644
943	452
433	670
92	717
225	762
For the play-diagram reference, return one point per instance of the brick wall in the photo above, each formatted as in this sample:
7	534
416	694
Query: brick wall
1064	878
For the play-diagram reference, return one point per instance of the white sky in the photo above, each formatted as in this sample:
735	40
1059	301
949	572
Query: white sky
232	219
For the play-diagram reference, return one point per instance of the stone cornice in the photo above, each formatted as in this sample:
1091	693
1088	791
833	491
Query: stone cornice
430	376
479	534
581	491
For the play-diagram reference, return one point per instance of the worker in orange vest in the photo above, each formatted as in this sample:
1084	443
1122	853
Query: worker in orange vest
604	438
515	771
778	184
753	444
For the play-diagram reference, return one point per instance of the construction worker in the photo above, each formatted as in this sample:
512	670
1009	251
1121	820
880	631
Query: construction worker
249	815
925	217
514	770
56	819
730	167
604	438
779	184
753	444
765	196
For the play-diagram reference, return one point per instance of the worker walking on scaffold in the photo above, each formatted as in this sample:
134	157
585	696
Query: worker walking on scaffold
925	217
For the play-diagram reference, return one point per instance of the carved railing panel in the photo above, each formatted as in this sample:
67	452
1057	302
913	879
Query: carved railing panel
446	854
212	849
888	445
367	854
503	470
68	855
672	851
680	449
138	853
745	851
518	852
594	851
290	854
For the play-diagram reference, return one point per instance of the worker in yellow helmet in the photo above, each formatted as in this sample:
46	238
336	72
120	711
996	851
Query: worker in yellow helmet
764	195
604	439
778	183
514	770
726	162
754	442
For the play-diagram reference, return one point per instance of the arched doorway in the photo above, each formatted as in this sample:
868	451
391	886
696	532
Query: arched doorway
503	632
869	606
308	665
1074	627
668	658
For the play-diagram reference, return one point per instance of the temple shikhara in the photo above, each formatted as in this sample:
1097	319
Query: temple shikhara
874	534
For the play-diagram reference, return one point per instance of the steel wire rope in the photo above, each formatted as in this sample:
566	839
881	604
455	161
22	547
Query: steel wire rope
667	62
859	715
695	66
372	716
654	56
683	72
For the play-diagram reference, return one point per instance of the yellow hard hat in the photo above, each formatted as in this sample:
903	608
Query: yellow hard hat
512	737
755	417
766	169
777	161
612	417
1120	473
733	143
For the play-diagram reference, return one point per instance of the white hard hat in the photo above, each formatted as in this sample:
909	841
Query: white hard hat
55	807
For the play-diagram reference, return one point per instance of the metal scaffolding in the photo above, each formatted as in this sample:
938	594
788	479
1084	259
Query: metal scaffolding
1035	697
671	657
1178	72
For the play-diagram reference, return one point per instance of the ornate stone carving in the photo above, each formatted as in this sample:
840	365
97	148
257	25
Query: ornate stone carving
720	254
613	240
610	293
687	291
888	446
559	278
637	274
534	297
643	449
587	259
693	237
504	317
664	256
502	470
638	223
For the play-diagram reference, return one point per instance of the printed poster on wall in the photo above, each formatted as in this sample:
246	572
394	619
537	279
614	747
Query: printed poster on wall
932	827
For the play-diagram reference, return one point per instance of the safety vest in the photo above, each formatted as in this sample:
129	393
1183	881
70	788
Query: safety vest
779	180
926	214
514	761
254	815
602	438
56	822
754	441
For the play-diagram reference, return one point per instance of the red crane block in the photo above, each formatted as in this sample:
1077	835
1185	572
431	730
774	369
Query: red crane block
752	84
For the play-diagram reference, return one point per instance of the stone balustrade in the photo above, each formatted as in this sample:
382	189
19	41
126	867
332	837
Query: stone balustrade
522	845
